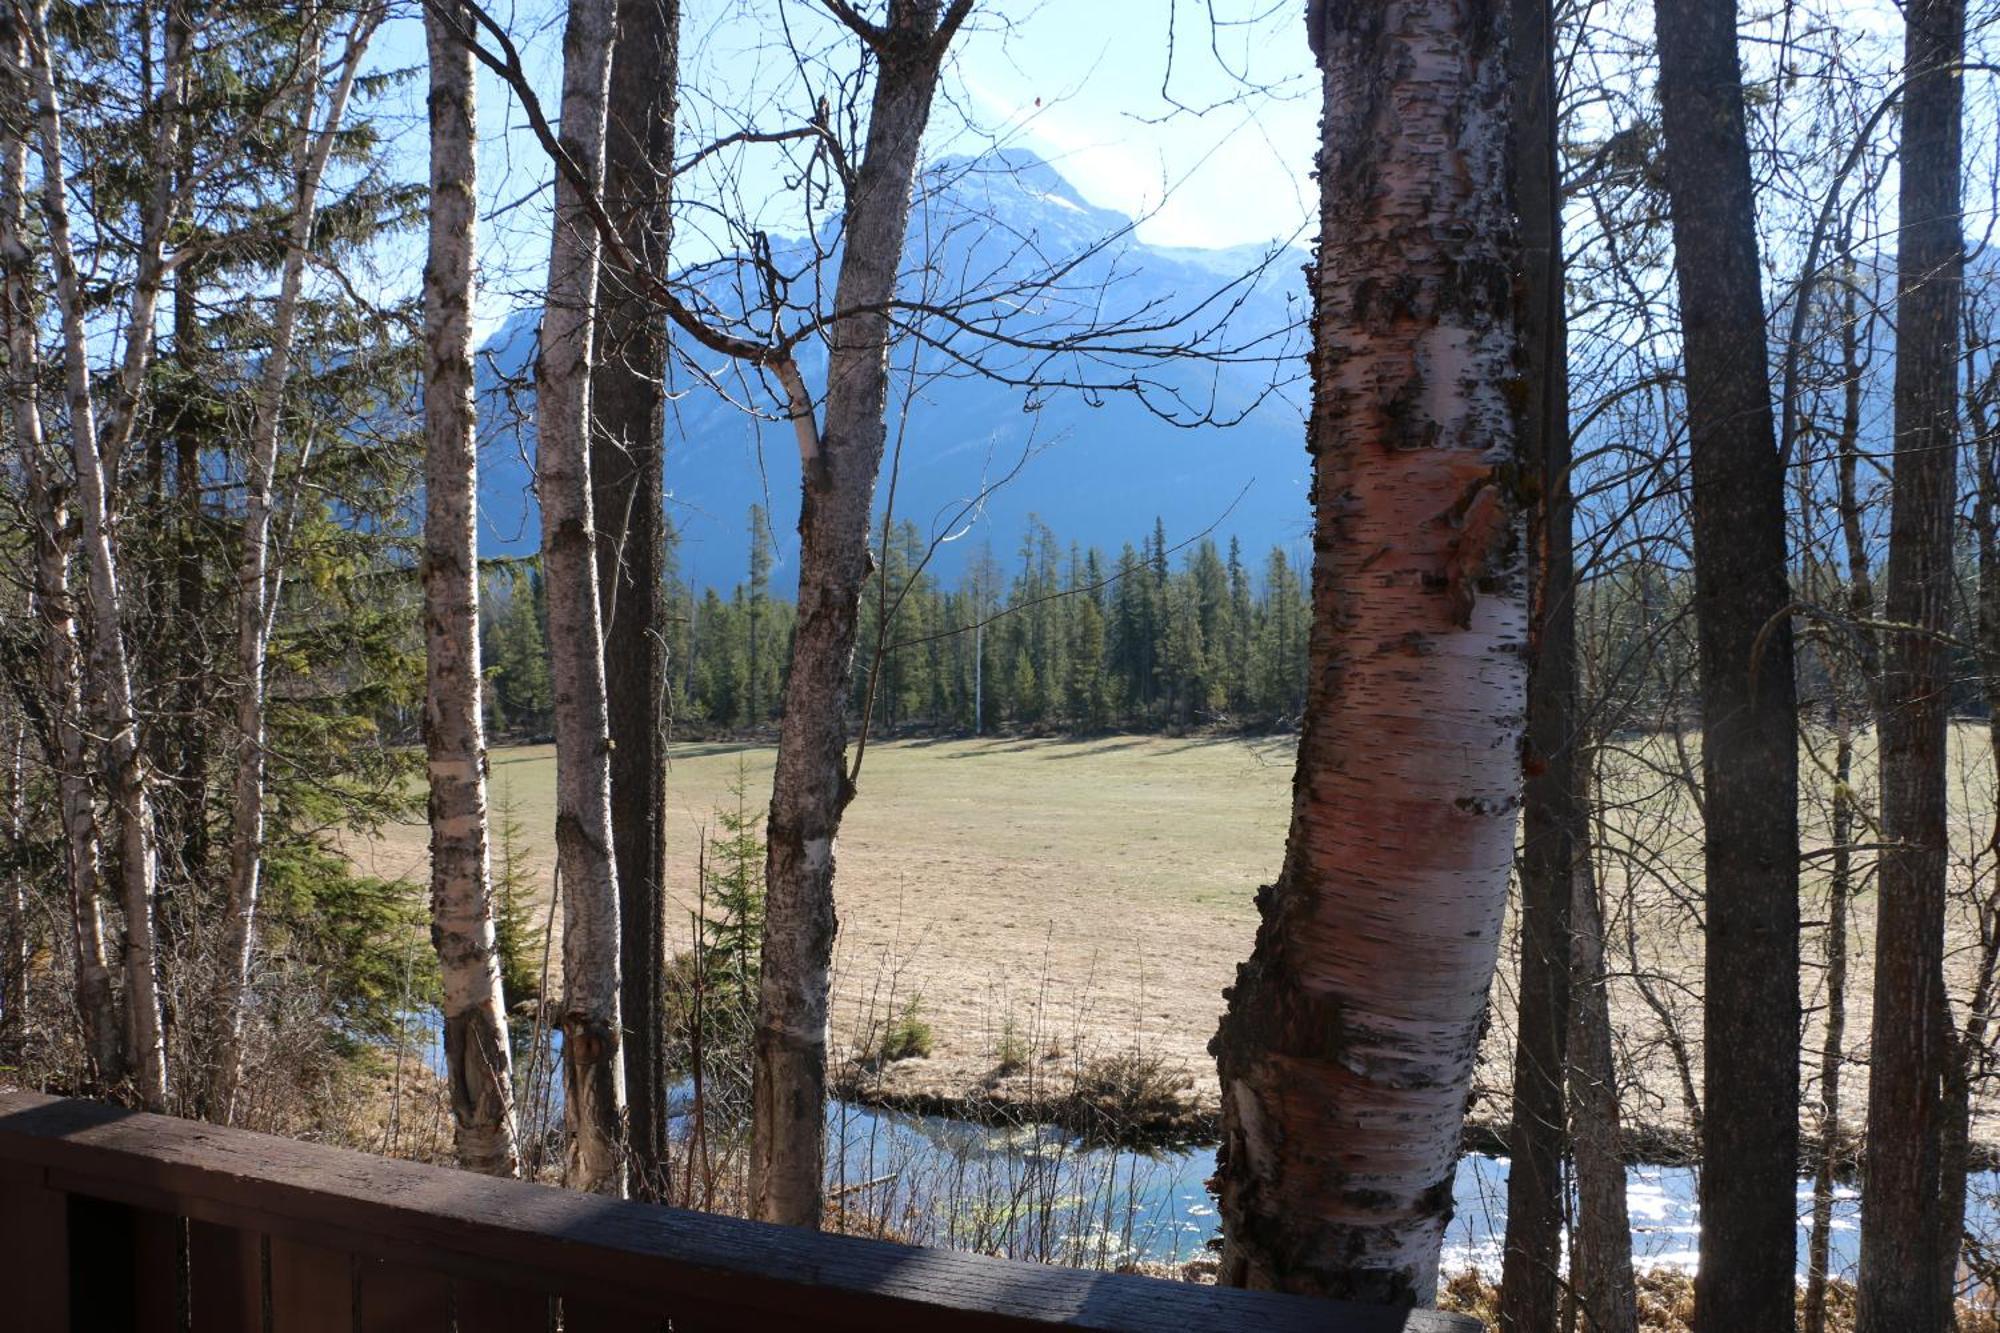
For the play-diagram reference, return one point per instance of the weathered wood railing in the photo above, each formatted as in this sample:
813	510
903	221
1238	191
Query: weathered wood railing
111	1220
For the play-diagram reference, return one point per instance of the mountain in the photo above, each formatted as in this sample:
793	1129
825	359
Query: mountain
1097	464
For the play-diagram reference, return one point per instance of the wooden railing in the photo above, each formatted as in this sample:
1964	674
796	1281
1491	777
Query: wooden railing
112	1220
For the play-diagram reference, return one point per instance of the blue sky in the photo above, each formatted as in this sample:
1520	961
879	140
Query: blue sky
1214	146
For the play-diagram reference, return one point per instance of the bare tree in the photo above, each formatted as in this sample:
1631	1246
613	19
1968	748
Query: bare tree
1601	1239
1749	753
478	1064
95	449
628	405
258	576
811	787
593	1070
1530	1283
1904	1282
1347	1049
65	741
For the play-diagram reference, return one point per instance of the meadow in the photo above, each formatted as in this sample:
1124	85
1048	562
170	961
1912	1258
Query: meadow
1053	899
1097	891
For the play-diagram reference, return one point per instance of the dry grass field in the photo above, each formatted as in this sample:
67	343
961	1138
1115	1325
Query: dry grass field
1097	890
1095	896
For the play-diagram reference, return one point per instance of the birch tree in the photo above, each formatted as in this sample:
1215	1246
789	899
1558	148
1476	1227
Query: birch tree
1903	1281
258	576
1346	1052
53	540
479	1072
95	449
842	459
593	1069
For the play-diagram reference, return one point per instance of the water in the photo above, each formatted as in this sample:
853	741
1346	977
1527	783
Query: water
1037	1192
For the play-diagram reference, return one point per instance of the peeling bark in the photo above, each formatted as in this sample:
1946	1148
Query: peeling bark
1346	1053
1901	1284
478	1063
593	1070
811	790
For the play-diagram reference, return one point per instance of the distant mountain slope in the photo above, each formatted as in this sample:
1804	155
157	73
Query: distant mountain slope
1099	466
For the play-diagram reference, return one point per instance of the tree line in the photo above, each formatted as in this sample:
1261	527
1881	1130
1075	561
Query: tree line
1064	640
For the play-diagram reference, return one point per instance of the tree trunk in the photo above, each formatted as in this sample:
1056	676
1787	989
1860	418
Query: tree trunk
1346	1053
1601	1247
1901	1284
593	1069
257	576
628	399
69	754
95	455
1833	1054
1750	1007
1531	1283
479	1070
1840	881
811	789
14	968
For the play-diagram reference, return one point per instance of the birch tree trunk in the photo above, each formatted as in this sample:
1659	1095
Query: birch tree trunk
96	453
593	1070
1601	1246
1531	1282
1750	1004
478	1064
257	575
96	1001
1901	1284
1347	1049
628	402
810	790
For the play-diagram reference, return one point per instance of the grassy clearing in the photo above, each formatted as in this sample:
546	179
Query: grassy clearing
1104	885
1054	901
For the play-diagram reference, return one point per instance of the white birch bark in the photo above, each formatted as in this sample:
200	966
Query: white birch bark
478	1068
257	575
810	789
1346	1054
593	1068
96	453
96	999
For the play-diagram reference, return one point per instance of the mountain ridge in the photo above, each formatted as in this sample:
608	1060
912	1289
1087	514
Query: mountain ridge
1099	465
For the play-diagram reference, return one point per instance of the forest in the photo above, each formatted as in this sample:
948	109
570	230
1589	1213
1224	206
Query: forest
1079	643
1349	649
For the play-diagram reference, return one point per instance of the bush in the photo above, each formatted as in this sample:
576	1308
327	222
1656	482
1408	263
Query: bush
1010	1052
907	1037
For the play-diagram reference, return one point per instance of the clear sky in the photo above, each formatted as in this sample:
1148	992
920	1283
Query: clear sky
1212	143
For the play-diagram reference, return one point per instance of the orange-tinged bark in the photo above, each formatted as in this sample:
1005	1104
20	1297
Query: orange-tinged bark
1346	1055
